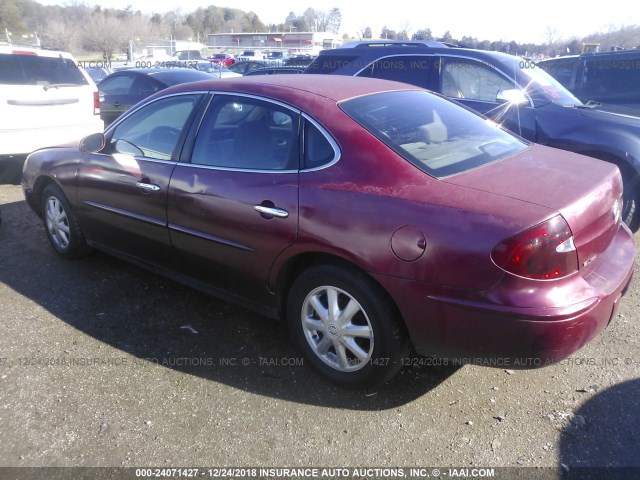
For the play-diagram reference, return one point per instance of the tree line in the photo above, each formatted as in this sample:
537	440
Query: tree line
79	28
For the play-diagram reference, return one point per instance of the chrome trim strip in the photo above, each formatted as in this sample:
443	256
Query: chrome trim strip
257	97
126	213
227	169
212	238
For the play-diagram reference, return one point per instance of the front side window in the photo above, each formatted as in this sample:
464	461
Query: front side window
436	135
471	80
153	131
249	134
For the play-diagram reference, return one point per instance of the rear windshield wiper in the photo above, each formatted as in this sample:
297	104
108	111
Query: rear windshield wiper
58	85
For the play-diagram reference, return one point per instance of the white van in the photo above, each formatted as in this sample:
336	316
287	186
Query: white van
45	100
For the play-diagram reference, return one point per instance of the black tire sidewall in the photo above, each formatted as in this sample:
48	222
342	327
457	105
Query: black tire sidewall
389	340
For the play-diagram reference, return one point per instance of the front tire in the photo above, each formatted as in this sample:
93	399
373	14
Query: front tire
346	326
60	224
631	204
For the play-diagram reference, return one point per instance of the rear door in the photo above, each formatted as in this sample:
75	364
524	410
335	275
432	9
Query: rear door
234	207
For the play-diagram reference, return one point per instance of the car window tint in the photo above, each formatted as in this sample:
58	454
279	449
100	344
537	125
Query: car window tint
37	70
611	79
246	133
153	130
436	135
561	70
145	86
471	80
405	68
318	151
117	85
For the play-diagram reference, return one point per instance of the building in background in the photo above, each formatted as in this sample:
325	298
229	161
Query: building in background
293	42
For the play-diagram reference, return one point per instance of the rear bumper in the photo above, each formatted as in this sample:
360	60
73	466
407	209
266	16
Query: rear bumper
510	336
26	140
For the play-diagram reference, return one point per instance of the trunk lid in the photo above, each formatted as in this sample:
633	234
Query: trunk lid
585	191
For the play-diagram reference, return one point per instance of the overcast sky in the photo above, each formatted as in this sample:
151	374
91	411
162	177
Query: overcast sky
488	19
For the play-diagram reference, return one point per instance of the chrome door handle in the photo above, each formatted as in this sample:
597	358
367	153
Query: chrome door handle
148	187
274	212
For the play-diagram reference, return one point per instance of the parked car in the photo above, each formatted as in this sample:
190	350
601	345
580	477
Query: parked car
46	100
275	58
250	55
611	78
124	88
188	55
511	91
246	66
274	71
216	69
98	74
299	60
373	217
225	59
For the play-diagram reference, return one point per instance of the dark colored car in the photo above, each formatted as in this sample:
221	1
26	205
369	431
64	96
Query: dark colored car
98	74
225	59
512	91
124	88
246	66
375	217
611	78
299	60
188	55
274	71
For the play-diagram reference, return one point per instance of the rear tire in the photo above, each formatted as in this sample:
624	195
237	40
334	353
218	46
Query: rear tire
631	204
346	326
60	224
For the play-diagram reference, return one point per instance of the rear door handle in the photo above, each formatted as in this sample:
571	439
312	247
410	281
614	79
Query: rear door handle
274	212
148	187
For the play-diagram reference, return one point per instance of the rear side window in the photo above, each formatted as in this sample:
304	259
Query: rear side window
561	69
436	135
318	151
610	80
412	69
37	70
330	64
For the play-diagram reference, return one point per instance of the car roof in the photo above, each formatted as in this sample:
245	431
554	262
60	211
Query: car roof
20	50
283	87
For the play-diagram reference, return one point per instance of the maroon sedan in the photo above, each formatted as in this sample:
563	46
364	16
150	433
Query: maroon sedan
374	217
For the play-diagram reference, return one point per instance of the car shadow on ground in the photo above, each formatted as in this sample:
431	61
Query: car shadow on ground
163	322
602	439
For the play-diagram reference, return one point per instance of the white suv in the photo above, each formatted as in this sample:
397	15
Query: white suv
45	100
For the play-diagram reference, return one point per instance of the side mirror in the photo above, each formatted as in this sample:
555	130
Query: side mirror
92	143
513	96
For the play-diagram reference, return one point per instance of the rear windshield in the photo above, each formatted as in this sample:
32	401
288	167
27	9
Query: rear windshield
37	70
438	136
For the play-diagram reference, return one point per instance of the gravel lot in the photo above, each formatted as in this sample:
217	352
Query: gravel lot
104	364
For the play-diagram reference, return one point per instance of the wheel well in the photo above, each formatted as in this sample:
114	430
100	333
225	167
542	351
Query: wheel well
38	188
296	265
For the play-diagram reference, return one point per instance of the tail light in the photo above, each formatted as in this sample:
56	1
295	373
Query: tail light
96	103
543	252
